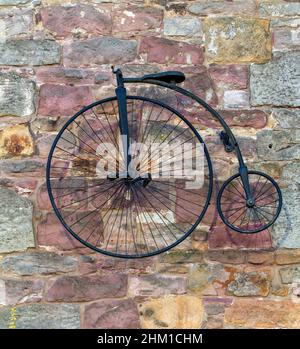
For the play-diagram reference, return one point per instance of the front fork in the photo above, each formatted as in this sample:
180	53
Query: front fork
124	130
123	123
123	117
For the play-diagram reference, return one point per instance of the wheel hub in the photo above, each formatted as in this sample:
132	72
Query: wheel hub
130	181
250	203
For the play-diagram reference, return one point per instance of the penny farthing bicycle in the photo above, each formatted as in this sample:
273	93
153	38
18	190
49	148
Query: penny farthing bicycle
121	175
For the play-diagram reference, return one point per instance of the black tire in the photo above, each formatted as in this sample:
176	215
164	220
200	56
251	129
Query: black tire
84	131
263	213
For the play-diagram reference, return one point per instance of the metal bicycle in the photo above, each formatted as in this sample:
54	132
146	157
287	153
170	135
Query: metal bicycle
109	186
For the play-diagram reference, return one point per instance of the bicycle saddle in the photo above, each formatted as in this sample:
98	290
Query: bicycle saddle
166	76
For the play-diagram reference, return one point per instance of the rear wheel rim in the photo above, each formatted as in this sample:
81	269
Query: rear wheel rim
232	208
125	200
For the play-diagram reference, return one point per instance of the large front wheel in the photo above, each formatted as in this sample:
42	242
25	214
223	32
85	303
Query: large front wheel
143	214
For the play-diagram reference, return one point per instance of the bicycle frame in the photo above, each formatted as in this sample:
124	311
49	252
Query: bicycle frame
229	136
100	194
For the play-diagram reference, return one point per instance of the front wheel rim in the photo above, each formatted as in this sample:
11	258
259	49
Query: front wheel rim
133	191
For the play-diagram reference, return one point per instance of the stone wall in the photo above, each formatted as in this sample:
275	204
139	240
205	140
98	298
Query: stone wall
243	57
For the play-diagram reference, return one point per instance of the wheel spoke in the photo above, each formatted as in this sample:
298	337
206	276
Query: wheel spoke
238	191
161	215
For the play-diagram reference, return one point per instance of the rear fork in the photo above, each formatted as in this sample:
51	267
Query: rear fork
230	144
243	170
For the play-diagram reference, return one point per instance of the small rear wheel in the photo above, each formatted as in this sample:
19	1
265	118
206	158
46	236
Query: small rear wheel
233	209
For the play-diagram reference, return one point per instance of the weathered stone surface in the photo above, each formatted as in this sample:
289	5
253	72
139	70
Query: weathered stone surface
14	2
62	2
280	290
96	51
215	265
87	265
178	8
156	285
43	145
15	141
209	279
296	292
290	173
230	76
237	40
287	257
58	100
290	274
42	316
278	145
16	231
254	313
17	95
242	118
182	26
172	268
61	75
84	288
43	201
15	22
50	124
226	256
21	185
38	263
285	233
50	232
137	19
250	284
218	274
247	118
277	82
76	20
111	314
287	118
213	322
14	291
235	99
286	39
141	265
21	166
214	310
260	258
160	50
182	256
202	85
284	22
198	278
279	9
215	306
237	7
29	52
272	168
157	93
133	69
177	312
